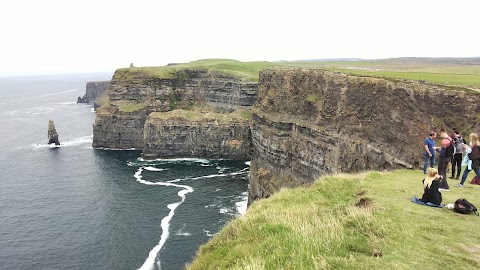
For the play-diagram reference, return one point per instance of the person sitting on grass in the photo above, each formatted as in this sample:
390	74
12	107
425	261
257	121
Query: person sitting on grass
431	183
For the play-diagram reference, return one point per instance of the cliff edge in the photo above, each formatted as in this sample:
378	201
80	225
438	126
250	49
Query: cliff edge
93	91
176	111
308	123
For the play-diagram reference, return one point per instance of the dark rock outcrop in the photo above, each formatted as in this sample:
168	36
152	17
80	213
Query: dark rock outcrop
135	94
308	123
93	90
190	134
52	133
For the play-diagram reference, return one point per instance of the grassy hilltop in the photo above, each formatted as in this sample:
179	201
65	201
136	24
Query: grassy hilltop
454	71
464	72
242	70
362	221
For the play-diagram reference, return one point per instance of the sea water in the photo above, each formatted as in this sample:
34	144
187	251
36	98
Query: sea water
74	207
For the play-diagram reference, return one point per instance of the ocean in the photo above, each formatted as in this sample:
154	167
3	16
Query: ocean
75	207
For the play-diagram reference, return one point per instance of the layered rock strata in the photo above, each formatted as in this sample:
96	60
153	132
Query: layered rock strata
192	134
93	90
308	123
305	123
135	94
183	87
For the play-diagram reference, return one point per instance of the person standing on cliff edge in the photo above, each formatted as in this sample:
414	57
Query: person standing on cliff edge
446	152
429	145
457	159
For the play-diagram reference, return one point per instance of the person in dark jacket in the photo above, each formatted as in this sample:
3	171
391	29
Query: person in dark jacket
457	159
445	158
474	156
431	183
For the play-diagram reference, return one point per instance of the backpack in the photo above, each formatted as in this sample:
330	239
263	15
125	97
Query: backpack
450	150
459	144
463	206
475	181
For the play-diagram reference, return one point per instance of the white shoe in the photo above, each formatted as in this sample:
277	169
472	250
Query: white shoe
443	189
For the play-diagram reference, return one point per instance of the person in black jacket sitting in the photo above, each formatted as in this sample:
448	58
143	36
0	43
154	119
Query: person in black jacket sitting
431	184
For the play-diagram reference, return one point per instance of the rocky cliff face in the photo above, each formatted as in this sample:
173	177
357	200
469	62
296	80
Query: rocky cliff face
183	87
93	91
191	134
305	123
308	123
136	94
115	129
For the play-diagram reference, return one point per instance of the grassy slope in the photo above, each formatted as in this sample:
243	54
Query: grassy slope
439	72
244	70
238	116
319	227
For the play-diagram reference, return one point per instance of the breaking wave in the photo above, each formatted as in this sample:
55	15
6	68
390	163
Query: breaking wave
73	142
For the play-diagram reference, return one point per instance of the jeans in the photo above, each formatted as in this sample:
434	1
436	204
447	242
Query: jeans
457	164
430	160
465	174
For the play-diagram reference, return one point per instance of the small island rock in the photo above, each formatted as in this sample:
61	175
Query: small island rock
52	133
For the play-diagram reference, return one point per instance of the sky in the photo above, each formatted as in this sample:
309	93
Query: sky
64	36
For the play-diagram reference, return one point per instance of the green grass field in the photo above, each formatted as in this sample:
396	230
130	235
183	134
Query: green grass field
437	71
244	70
363	221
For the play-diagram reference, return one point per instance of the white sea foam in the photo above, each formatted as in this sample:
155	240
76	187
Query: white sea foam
208	233
181	232
78	141
222	169
224	211
247	163
208	176
73	142
165	223
242	205
153	169
177	160
117	149
69	103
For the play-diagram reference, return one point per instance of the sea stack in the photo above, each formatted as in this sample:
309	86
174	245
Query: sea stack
52	133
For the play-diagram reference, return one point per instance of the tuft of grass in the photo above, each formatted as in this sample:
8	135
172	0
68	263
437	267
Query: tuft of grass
129	106
103	99
238	116
312	98
361	221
